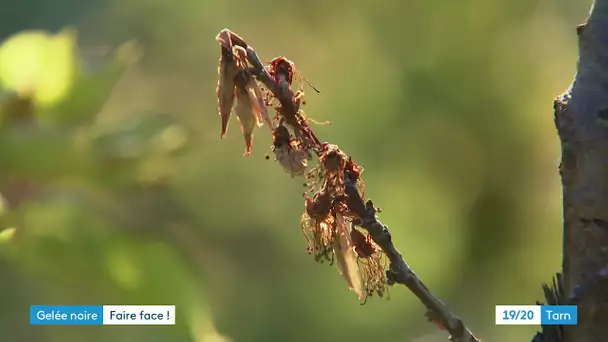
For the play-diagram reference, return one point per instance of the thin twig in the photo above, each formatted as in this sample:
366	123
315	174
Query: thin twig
399	271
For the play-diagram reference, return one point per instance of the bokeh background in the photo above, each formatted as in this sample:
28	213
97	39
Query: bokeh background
118	190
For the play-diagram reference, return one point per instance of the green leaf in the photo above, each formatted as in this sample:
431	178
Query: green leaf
7	234
39	64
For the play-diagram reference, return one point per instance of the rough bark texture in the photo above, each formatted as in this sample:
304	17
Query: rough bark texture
581	118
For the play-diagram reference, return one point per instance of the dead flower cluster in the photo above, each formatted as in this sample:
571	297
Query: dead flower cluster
328	224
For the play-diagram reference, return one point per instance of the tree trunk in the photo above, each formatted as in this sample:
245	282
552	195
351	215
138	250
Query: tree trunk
581	118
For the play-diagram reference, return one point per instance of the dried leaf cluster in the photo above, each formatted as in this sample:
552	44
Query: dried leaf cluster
329	225
237	82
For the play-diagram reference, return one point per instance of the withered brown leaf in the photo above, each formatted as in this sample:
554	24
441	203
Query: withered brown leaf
346	258
227	71
250	108
261	108
257	98
245	111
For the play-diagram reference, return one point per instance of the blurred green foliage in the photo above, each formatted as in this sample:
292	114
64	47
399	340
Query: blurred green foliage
117	189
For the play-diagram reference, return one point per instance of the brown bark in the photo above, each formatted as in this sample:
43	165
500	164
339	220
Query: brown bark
581	118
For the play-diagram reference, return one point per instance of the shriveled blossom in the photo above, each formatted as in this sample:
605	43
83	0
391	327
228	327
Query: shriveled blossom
327	233
282	66
322	208
333	163
314	178
282	72
372	262
317	224
289	152
328	222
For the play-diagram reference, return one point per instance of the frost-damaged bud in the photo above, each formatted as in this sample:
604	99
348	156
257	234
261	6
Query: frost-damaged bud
372	262
289	152
333	159
354	171
281	69
227	71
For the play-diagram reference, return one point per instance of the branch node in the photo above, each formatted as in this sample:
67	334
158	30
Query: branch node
580	29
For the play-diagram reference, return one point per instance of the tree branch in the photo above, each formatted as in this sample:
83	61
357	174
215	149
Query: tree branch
581	119
400	272
279	84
